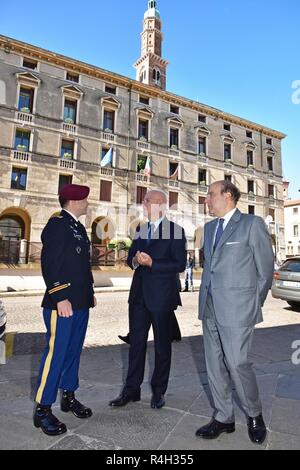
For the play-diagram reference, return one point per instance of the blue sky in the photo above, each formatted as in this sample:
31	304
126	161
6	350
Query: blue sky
239	56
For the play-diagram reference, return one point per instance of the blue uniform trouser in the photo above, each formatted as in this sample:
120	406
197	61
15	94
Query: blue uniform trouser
60	362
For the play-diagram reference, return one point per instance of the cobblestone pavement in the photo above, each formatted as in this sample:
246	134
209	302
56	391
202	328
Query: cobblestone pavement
136	426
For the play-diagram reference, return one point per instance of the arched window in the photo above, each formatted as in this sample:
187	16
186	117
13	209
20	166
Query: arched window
12	227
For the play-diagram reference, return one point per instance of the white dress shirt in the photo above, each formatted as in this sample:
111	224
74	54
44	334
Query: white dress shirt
226	219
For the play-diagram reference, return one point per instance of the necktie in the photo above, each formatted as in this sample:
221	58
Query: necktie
150	232
219	233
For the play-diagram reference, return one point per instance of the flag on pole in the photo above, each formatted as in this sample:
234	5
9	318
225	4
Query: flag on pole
174	175
107	159
147	170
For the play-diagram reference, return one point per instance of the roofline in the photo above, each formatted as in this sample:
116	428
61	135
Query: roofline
290	203
38	53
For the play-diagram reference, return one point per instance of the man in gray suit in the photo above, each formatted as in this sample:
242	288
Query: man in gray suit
237	275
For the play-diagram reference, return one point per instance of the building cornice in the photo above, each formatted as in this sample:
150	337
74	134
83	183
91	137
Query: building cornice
37	53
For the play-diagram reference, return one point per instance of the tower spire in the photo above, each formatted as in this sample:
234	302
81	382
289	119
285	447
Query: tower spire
151	67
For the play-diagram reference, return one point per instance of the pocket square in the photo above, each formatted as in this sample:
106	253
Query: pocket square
233	243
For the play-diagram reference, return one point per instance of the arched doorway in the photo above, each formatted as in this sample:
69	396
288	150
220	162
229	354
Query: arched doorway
14	236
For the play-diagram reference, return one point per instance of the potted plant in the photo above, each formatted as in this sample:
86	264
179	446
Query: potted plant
174	147
142	138
69	120
250	166
108	130
67	155
202	183
202	154
21	148
25	110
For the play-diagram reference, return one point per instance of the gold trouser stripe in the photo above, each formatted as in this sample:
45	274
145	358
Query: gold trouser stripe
48	361
9	344
58	288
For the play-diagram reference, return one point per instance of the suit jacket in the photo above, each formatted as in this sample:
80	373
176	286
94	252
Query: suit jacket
239	272
66	264
158	286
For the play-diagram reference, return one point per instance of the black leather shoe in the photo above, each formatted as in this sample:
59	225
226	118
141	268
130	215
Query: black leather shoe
125	339
69	403
125	398
213	429
157	401
44	419
257	429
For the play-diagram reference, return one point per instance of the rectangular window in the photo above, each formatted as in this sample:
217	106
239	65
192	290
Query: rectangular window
295	210
202	118
272	213
141	163
270	163
173	201
18	178
251	210
202	205
228	178
143	129
249	135
227	152
30	64
105	191
70	111
111	89
109	121
202	145
22	141
296	230
174	109
270	190
104	151
250	159
144	99
26	100
269	141
72	77
173	170
227	127
67	149
63	181
202	177
140	194
174	137
250	186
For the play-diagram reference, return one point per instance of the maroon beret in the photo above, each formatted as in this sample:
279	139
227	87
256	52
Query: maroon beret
74	192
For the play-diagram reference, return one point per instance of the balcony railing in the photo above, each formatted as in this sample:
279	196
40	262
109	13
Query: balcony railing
174	152
108	137
21	156
69	128
66	163
142	178
251	197
107	171
174	183
203	188
143	145
25	118
202	158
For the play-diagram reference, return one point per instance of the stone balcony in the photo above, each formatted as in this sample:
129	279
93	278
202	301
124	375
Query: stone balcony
24	117
21	156
69	128
108	137
143	145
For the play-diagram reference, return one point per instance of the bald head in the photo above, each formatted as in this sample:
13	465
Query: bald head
155	203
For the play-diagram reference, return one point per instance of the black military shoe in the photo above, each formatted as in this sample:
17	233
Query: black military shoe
69	403
125	339
44	419
125	398
257	429
213	429
157	401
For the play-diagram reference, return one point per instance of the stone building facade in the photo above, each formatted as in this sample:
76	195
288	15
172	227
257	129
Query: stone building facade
59	117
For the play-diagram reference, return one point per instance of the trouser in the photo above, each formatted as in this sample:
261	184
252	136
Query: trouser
227	357
188	278
60	362
140	320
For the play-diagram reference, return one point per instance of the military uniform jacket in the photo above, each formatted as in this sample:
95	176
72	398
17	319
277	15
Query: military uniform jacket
66	264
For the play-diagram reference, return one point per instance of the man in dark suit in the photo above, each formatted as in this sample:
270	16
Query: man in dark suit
157	255
69	295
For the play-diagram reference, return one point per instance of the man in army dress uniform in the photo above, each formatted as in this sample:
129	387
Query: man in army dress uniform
69	294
